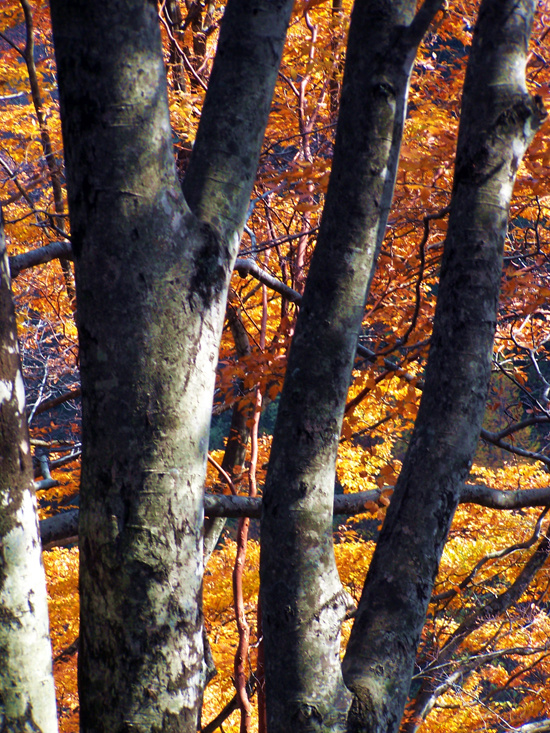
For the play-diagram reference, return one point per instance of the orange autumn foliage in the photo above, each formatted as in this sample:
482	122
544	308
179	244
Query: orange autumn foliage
498	670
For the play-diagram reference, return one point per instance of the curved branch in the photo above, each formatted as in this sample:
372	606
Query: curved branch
422	21
249	267
527	423
496	440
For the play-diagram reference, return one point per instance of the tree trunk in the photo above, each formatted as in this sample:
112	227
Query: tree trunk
152	272
302	599
498	120
27	694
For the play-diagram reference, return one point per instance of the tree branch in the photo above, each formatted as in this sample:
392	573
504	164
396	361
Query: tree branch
501	499
422	21
59	400
39	256
221	505
527	423
248	267
541	726
62	250
496	440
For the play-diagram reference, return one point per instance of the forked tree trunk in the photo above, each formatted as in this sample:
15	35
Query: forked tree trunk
27	694
152	271
498	120
302	599
301	595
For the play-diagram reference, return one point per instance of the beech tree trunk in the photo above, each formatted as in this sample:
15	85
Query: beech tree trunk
300	592
27	694
301	595
152	270
498	120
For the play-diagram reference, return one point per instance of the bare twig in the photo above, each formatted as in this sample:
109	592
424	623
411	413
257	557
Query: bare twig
223	473
186	61
33	409
498	554
231	706
420	277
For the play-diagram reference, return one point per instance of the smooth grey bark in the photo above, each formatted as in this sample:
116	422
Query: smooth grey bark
27	694
302	600
225	154
498	120
152	272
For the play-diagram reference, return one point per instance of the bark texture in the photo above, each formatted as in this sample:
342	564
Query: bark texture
27	695
152	273
498	120
301	595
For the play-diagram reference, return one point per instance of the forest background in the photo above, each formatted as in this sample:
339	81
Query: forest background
484	658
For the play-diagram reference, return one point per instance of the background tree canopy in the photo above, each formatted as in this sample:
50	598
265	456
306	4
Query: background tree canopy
244	187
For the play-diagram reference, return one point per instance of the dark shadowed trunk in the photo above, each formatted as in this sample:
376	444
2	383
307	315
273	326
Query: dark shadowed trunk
498	120
302	599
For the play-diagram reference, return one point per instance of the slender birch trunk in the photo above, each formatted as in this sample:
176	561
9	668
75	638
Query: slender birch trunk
27	694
